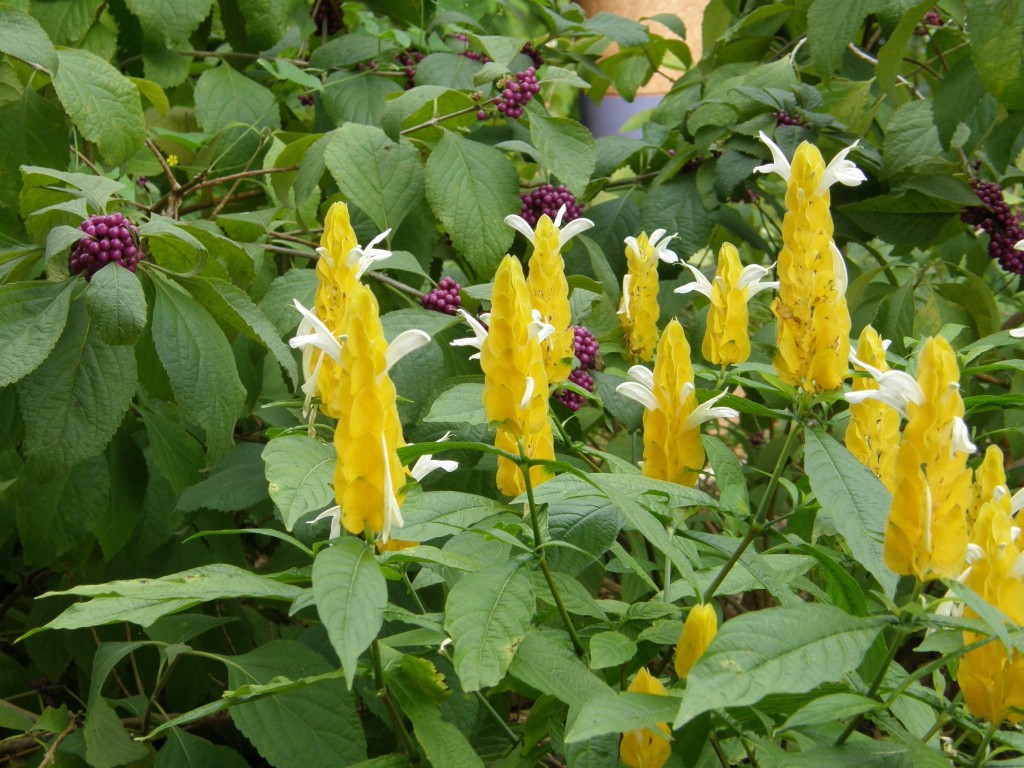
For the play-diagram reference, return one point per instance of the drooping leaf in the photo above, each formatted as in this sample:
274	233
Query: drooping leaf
33	131
32	317
567	149
235	483
116	304
225	97
183	750
169	22
22	37
542	663
300	470
996	30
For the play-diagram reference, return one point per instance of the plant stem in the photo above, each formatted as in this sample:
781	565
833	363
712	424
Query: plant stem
572	446
757	525
434	121
396	716
713	738
524	466
164	676
979	758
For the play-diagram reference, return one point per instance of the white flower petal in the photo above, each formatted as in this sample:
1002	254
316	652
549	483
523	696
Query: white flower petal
632	244
538	328
527	392
961	439
624	309
1017	502
559	215
707	411
519	224
841	170
573	228
839	267
700	283
659	242
1018	333
779	164
1019	245
639	393
427	463
478	337
974	554
1017	569
335	514
403	344
392	511
314	333
895	388
643	375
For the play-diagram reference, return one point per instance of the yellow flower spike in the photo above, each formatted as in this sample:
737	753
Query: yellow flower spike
644	748
699	630
926	533
515	383
638	308
672	418
993	683
813	319
989	480
873	434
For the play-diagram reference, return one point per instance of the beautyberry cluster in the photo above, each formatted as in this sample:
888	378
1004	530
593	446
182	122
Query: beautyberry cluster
108	239
445	298
534	54
1001	225
547	199
409	58
784	118
306	99
473	55
517	92
328	17
586	352
931	19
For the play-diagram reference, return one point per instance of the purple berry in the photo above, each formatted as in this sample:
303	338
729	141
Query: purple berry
445	298
999	222
587	347
517	92
109	238
306	99
328	16
547	199
784	118
534	54
574	400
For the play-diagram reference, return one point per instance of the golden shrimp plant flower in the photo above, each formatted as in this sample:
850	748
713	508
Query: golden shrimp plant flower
515	381
813	319
646	748
549	291
926	532
873	434
699	630
672	417
638	308
727	338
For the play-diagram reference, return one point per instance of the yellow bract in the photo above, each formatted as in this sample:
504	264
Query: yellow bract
873	434
549	294
813	320
926	534
699	630
727	340
638	308
515	382
644	748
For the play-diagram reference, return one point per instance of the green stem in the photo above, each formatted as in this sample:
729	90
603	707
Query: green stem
757	525
572	445
435	121
979	759
164	676
396	716
713	738
524	467
667	581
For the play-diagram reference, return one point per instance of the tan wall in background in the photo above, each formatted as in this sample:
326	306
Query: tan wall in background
690	11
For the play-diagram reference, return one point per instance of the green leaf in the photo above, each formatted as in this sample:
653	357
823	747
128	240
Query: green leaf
277	303
33	131
677	208
350	595
620	712
183	750
169	21
425	102
599	752
732	486
461	404
383	178
890	57
116	521
567	149
831	26
114	610
487	615
911	138
471	188
910	219
357	97
300	470
225	97
437	514
103	104
107	743
200	365
830	708
317	725
32	317
74	401
552	668
610	649
996	31
22	37
116	304
790	649
625	32
177	454
852	499
235	483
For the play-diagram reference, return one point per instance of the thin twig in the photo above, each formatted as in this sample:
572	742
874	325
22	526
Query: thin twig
244	175
51	752
865	56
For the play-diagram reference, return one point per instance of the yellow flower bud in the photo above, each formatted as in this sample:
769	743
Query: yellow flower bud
644	748
698	632
549	293
873	434
515	383
638	308
993	683
989	480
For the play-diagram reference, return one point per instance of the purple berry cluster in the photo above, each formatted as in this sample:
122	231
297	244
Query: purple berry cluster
535	56
996	219
547	199
931	19
328	17
306	99
445	298
784	118
473	55
586	350
517	93
108	239
409	58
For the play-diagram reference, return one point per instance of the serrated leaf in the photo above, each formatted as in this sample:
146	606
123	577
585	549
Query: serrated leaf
300	470
677	208
911	138
852	499
551	668
316	725
103	104
789	649
22	37
277	303
183	750
235	483
117	305
225	97
610	649
381	177
996	31
356	97
32	316
832	26
568	150
350	595
471	188
169	21
487	615
200	365
33	131
74	401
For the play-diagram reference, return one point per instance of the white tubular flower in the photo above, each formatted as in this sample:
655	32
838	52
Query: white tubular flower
707	411
403	344
841	170
1018	333
392	510
335	514
700	283
527	393
750	279
538	328
641	389
313	334
839	267
361	259
479	333
961	438
895	388
779	164
659	242
626	282
427	463
572	228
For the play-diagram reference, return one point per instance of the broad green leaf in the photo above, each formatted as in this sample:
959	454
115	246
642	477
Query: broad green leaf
416	108
732	486
502	50
183	750
107	743
33	131
277	303
103	104
74	401
610	649
382	177
598	752
300	470
462	403
65	21
235	483
676	207
317	725
169	21
996	30
116	304
114	610
177	454
32	317
22	37
831	26
858	754
588	521
471	188
200	365
350	595
625	32
154	94
620	712
910	219
890	57
487	615
852	499
830	709
789	649
356	97
437	514
911	138
567	149
225	97
116	521
552	668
